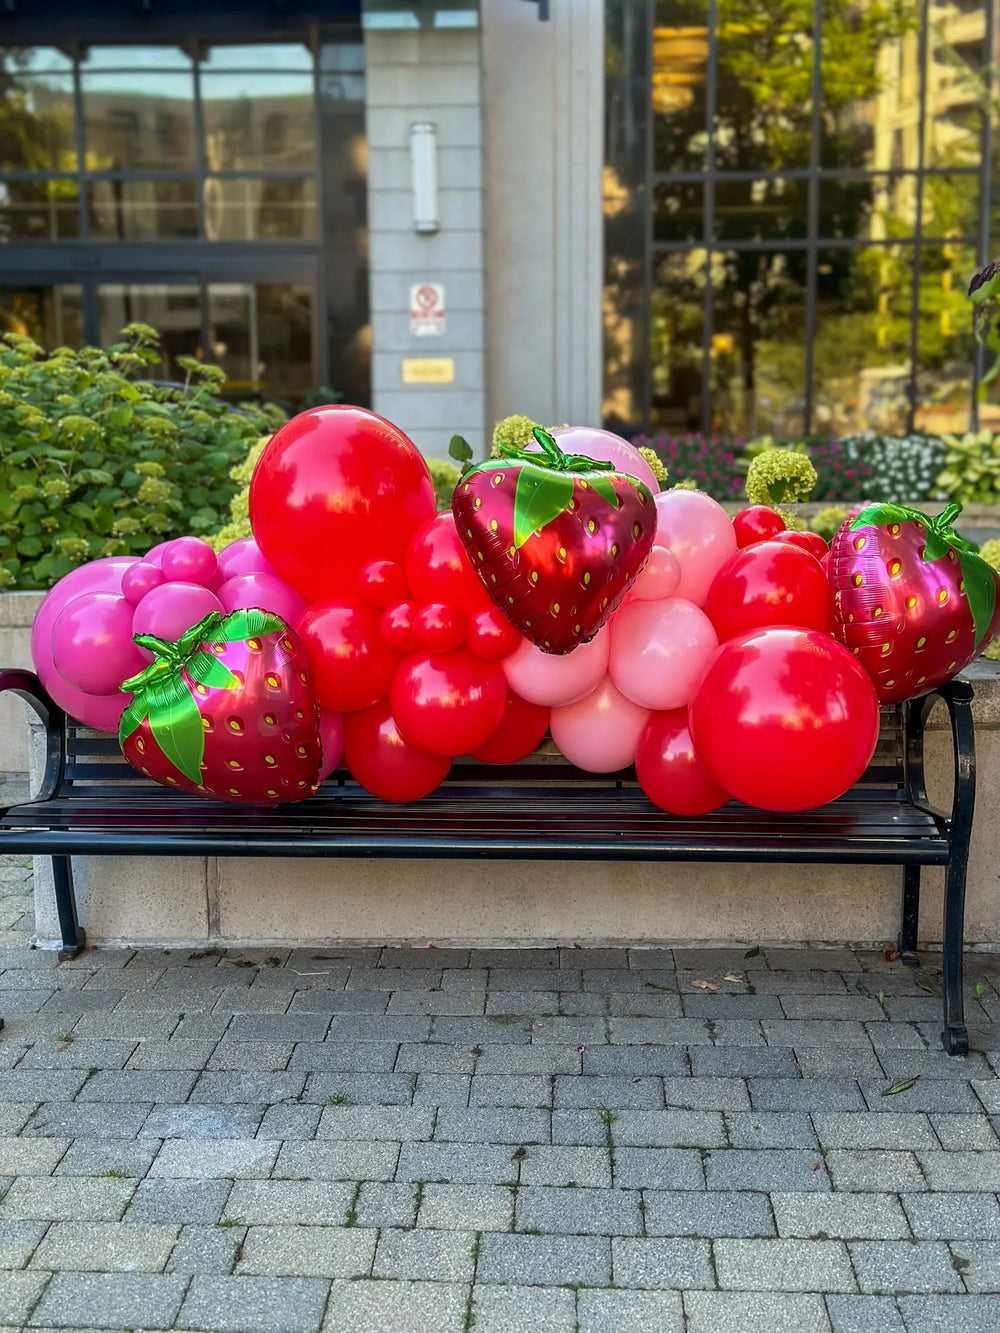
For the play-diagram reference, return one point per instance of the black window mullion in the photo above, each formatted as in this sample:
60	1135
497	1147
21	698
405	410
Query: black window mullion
708	232
918	222
813	224
321	339
199	154
81	149
650	202
983	238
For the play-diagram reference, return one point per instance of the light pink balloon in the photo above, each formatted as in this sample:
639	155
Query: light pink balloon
92	646
544	679
331	734
658	577
140	579
606	446
190	560
266	591
601	732
98	711
700	534
659	652
243	557
171	609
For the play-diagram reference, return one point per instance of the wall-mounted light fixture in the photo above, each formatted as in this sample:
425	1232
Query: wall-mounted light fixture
423	158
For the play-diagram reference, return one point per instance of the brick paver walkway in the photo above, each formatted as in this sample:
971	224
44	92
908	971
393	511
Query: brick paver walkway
427	1141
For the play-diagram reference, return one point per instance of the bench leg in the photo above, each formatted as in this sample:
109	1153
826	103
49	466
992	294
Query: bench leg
955	1036
911	914
73	938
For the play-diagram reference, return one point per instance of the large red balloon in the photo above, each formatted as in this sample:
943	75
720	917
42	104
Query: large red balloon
438	570
784	719
770	583
336	487
519	734
447	704
806	541
383	763
757	523
351	664
669	771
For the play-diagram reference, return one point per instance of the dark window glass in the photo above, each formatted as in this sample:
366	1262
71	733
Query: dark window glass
258	121
253	209
870	208
52	315
768	208
39	210
676	323
172	308
679	211
679	67
262	337
37	114
138	210
138	119
944	339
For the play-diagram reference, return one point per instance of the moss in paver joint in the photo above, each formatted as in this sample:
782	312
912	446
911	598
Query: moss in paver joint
351	1216
469	1318
418	1199
231	1222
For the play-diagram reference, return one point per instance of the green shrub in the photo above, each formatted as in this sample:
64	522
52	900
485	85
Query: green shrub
971	470
828	521
990	551
445	477
239	506
780	476
94	462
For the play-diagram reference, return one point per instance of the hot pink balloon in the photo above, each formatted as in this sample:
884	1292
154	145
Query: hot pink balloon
606	446
92	646
331	734
155	556
551	681
98	711
171	609
700	534
659	652
601	732
266	591
190	560
658	577
243	557
140	579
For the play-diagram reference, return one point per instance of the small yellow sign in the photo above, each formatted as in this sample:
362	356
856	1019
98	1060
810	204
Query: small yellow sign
428	370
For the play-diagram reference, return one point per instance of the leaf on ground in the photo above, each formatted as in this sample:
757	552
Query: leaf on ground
861	988
931	990
704	985
752	953
730	977
655	985
902	1085
889	953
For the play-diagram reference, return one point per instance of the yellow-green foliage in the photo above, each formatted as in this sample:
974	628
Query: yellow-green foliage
656	464
780	476
828	521
971	467
445	477
688	484
513	430
239	507
990	551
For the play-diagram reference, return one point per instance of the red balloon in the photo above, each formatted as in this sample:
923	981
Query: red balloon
756	524
784	719
669	771
770	583
447	704
381	582
806	541
519	734
397	627
351	664
439	628
491	636
334	488
438	570
383	763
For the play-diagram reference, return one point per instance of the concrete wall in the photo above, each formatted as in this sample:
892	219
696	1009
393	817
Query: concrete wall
433	76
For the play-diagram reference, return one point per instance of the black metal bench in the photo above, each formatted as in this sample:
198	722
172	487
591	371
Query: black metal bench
91	801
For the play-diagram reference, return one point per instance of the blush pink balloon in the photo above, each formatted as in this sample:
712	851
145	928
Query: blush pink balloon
331	734
266	591
658	577
608	447
600	733
243	557
659	652
551	681
171	609
98	711
140	579
92	646
701	536
190	560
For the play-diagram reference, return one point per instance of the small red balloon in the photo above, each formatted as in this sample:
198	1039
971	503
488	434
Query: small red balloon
491	636
756	524
351	664
447	704
438	628
397	627
784	719
438	570
770	583
669	771
383	762
381	582
805	541
519	734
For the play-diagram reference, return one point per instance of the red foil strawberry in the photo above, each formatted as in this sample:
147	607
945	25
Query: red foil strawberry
227	711
911	598
556	538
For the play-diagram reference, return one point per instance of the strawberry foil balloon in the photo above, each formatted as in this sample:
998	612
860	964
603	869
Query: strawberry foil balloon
911	599
227	711
556	538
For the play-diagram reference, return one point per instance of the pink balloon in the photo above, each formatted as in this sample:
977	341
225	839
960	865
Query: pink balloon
659	652
606	446
658	577
551	681
155	556
267	591
92	646
331	734
243	557
601	732
171	609
190	560
140	579
700	534
98	711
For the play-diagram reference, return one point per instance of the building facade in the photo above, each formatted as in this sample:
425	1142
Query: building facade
671	215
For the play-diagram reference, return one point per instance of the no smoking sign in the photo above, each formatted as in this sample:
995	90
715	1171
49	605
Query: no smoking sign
426	309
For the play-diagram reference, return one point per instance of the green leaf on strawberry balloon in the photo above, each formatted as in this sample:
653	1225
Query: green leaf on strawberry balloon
208	670
541	496
604	486
248	624
176	725
132	717
980	590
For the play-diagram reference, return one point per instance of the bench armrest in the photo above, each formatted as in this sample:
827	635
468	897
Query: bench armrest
27	685
957	696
